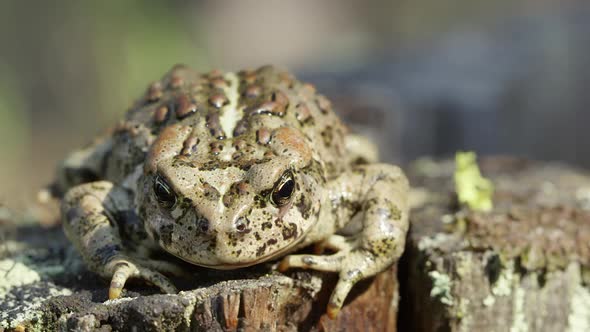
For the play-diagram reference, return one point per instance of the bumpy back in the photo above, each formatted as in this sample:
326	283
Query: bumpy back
230	116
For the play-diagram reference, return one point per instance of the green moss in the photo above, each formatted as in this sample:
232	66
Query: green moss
472	188
16	273
441	287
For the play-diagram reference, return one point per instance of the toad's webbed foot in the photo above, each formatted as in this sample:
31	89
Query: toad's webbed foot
380	192
352	265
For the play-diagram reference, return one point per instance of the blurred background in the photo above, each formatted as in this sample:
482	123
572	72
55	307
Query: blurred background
420	77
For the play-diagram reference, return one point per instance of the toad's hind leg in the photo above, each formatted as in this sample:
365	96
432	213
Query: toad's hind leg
380	192
360	150
88	212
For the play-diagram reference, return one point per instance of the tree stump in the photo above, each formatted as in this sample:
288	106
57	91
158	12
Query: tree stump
525	266
44	286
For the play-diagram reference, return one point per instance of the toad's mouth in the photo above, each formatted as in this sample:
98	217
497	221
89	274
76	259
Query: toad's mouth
238	264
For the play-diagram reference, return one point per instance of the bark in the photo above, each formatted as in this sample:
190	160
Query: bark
525	266
46	287
522	267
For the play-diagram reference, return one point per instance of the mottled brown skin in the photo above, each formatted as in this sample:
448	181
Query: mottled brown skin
230	170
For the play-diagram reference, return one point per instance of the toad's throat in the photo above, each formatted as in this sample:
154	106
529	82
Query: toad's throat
237	264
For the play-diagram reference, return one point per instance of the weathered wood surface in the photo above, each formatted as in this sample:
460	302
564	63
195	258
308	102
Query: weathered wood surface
45	287
525	266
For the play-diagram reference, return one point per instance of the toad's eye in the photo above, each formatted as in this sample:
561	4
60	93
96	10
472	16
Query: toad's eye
281	193
164	194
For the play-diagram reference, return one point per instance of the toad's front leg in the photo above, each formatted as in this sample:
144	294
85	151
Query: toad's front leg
380	193
89	213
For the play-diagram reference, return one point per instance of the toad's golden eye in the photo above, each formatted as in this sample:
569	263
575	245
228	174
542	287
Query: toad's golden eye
164	193
283	190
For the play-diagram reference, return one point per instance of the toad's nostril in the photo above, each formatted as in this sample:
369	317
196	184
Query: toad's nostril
203	225
242	225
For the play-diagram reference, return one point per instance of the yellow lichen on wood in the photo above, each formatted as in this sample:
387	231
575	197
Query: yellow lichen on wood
471	187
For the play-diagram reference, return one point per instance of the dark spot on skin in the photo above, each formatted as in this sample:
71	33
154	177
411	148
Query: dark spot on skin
227	200
242	225
240	144
328	136
233	239
166	234
396	213
271	242
304	207
216	147
289	231
182	161
202	225
210	192
257	236
260	200
260	251
241	127
214	125
382	247
354	275
266	225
